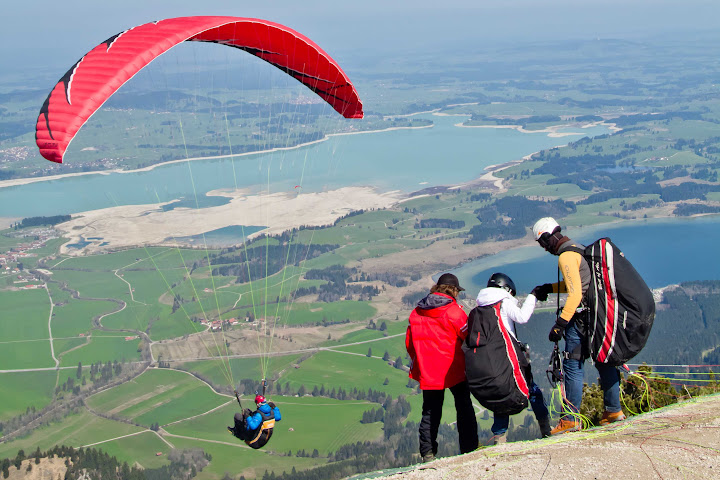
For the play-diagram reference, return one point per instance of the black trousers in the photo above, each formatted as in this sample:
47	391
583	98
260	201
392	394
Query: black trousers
240	431
432	414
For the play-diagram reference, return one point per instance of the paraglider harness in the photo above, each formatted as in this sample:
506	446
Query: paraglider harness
554	372
262	434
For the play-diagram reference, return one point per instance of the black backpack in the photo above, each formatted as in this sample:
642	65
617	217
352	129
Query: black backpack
621	307
497	370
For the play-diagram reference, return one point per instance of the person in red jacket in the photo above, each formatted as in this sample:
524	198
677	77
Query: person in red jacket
438	326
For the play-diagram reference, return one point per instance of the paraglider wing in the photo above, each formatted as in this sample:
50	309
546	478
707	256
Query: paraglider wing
104	69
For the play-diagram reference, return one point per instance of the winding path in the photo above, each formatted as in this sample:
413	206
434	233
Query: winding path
52	347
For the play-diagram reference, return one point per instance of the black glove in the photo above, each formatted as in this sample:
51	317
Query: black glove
271	404
556	333
541	292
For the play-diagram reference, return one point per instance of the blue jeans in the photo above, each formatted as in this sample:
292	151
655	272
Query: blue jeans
574	375
537	402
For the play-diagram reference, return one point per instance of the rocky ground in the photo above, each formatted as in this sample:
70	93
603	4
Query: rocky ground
680	441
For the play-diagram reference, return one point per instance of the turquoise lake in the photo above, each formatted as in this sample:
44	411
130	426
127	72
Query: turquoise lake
663	251
406	160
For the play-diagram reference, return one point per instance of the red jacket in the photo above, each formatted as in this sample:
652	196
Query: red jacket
437	329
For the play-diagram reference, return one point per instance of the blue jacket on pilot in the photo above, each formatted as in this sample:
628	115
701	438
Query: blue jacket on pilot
256	419
256	428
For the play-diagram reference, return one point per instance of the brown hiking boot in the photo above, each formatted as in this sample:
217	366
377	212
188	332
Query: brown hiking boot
612	417
428	457
565	426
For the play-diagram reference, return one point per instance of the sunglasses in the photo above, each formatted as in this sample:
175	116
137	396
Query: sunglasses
544	240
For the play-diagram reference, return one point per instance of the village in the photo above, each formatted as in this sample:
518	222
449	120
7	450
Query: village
11	261
217	325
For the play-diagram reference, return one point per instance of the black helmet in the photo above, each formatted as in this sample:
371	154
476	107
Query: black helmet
500	280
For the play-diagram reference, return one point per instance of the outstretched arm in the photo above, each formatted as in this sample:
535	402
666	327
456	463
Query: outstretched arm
520	314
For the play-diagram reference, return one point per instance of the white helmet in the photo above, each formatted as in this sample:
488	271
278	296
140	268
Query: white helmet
544	225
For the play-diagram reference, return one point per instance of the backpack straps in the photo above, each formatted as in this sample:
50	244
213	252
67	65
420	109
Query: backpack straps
573	248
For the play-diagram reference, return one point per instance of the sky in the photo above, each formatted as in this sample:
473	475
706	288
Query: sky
51	34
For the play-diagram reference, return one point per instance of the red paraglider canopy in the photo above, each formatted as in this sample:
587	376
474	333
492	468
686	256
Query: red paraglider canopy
105	68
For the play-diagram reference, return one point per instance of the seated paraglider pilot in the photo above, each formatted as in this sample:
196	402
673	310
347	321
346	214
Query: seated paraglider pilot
256	428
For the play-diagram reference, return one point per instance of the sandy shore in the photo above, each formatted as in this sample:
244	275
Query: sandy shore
137	225
552	131
6	222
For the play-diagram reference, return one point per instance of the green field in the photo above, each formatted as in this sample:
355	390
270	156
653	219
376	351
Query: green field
26	354
76	316
103	349
149	284
316	422
141	448
93	284
76	430
7	242
24	315
302	313
395	347
172	326
62	345
136	316
24	389
241	368
158	395
335	370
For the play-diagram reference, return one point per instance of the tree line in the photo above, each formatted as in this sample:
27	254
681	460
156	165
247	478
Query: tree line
263	260
38	221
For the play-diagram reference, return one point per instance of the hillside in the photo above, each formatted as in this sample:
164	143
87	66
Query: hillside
680	441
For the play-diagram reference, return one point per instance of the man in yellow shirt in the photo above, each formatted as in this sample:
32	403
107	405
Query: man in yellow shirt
573	324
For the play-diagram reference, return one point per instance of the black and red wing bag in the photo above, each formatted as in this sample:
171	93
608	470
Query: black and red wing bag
621	306
497	370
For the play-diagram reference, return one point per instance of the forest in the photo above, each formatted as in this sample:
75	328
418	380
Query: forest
260	261
521	212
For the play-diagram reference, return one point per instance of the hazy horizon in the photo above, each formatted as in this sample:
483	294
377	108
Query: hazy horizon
44	35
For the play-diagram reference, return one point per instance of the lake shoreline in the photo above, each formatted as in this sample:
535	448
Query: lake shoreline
29	180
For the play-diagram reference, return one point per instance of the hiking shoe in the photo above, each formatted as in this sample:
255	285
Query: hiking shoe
545	429
428	457
565	426
612	417
499	439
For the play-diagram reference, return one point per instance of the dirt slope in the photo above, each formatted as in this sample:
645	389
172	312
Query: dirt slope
48	469
680	441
